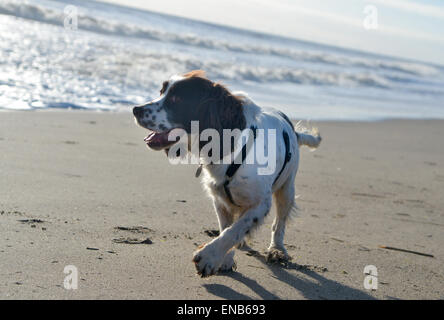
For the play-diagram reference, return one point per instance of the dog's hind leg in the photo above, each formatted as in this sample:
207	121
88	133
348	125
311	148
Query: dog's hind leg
284	199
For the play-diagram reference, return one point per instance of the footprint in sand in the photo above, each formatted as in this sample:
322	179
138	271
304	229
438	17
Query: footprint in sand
17	213
132	241
134	230
31	221
359	194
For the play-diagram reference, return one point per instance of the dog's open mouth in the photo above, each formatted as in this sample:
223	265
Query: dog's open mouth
159	140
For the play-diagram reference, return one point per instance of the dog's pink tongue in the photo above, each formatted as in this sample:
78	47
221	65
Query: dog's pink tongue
149	137
158	140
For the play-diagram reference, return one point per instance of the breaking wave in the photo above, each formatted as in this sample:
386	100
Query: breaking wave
120	56
107	26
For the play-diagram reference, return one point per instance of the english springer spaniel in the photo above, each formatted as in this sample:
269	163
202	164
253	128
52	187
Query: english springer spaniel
241	196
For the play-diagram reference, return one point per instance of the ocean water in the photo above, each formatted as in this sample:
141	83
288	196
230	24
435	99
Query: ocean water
119	57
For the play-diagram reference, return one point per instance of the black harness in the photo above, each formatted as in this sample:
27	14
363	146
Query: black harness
287	154
235	166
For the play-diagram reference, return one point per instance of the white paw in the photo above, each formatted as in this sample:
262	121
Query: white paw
228	264
207	260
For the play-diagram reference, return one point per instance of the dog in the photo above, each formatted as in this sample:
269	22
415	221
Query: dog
241	197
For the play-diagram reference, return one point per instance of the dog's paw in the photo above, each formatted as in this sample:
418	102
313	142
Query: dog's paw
207	261
277	255
228	264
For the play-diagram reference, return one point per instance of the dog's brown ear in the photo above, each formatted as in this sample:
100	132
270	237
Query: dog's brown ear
195	73
220	111
209	118
230	109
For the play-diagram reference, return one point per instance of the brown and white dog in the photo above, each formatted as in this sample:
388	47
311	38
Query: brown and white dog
241	197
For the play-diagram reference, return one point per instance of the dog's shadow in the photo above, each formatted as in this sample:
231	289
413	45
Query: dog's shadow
316	288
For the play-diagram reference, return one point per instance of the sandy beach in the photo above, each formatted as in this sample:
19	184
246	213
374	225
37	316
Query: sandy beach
80	188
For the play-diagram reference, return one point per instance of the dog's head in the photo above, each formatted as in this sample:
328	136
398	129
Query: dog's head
186	98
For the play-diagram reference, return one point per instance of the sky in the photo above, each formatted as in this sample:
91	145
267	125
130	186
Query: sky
412	29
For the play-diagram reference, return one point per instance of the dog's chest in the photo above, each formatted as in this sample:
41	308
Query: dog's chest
236	192
213	180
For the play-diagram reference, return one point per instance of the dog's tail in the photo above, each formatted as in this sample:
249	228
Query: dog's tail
307	137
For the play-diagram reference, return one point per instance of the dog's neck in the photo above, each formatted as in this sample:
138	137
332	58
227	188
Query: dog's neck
214	173
217	172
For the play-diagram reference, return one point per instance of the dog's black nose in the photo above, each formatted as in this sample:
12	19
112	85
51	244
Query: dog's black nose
137	111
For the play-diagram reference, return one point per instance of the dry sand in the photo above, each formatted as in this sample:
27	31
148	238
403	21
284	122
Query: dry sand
82	174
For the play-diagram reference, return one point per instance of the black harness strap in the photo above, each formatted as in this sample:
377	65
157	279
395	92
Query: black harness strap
287	143
287	154
228	192
235	166
284	116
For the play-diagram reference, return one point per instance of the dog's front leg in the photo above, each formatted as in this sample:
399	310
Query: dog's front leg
225	218
209	258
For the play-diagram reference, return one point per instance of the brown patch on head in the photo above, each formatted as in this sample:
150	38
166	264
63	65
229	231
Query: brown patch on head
195	73
197	98
221	110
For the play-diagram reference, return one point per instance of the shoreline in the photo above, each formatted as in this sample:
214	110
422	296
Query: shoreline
123	111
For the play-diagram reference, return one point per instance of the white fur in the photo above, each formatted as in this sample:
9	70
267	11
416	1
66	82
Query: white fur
154	114
252	195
